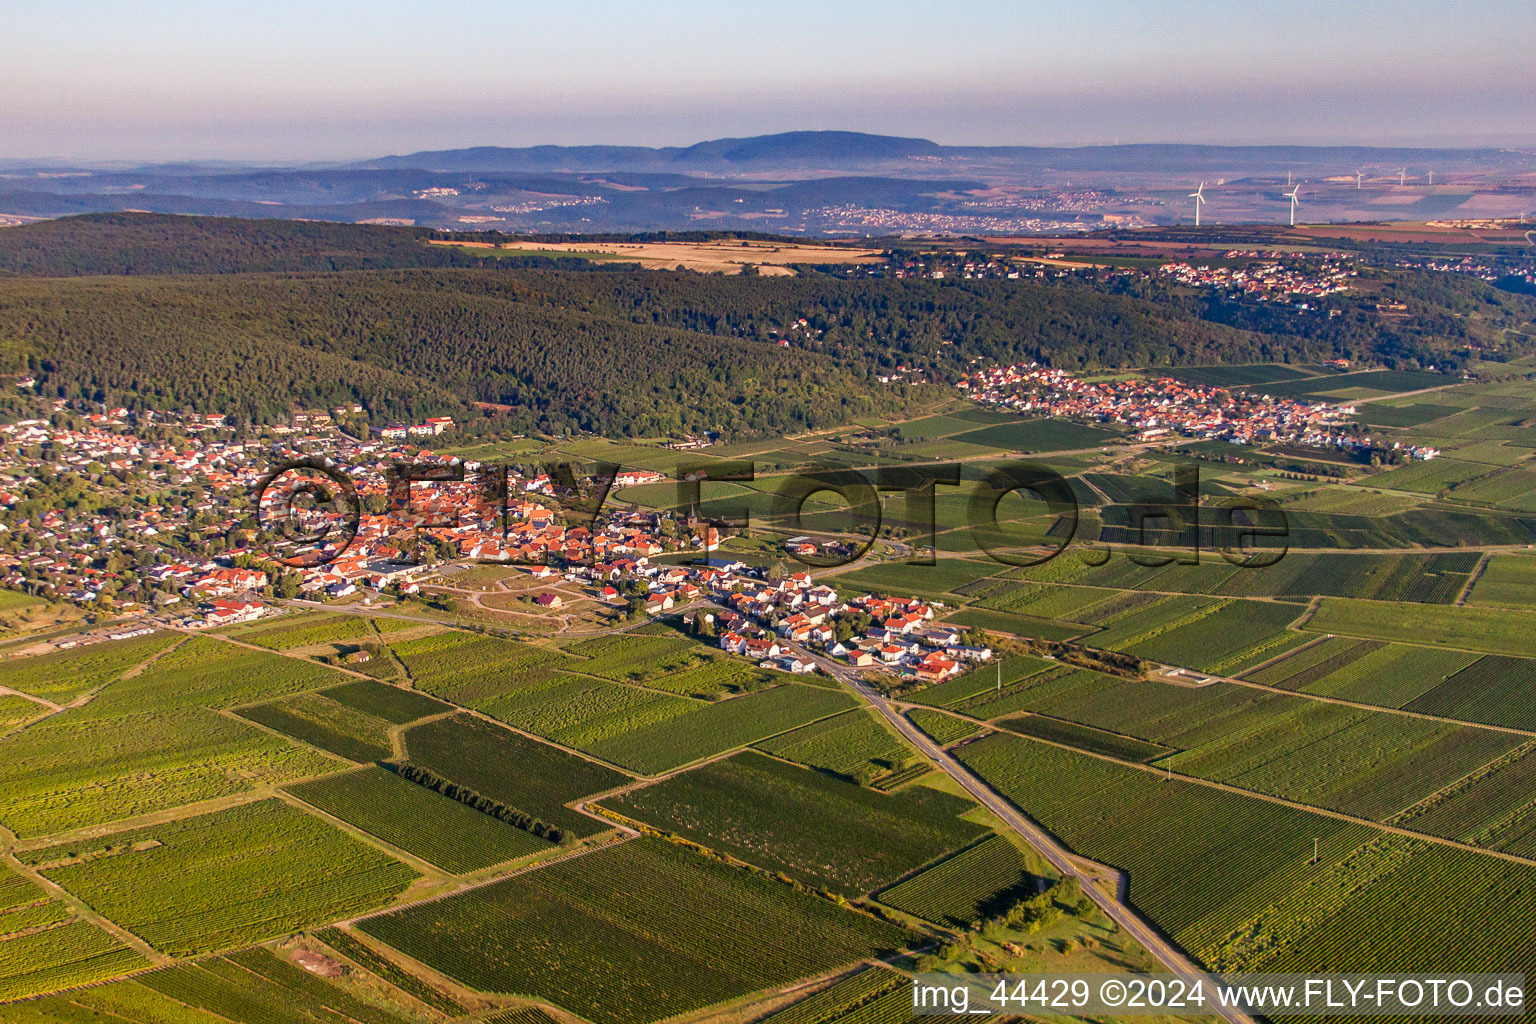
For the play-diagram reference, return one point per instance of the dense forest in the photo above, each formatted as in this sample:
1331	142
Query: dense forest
623	351
163	243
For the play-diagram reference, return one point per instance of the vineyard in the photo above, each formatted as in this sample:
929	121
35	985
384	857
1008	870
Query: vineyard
63	675
325	723
976	883
571	933
982	680
813	828
391	703
441	831
708	729
364	956
467	669
253	987
520	772
847	996
66	771
43	947
943	729
1082	737
304	631
171	883
1154	831
579	711
852	744
1490	630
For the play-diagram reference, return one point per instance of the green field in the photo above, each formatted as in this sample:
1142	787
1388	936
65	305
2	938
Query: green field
249	987
444	832
44	947
325	723
171	883
522	773
1491	630
155	741
815	829
856	744
976	883
304	630
709	729
63	675
572	933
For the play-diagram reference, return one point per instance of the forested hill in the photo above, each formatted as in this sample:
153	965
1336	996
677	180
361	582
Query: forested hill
622	351
162	243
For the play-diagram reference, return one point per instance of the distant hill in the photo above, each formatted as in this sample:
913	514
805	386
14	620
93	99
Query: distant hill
787	149
820	183
852	150
153	243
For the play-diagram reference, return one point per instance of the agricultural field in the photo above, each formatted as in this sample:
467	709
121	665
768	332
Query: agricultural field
1038	436
303	630
978	882
393	704
15	709
170	883
870	996
856	744
1372	672
156	741
44	947
62	676
813	828
708	729
1431	477
327	724
366	957
906	580
1214	639
1489	630
581	712
533	777
983	679
466	669
1082	737
251	986
941	728
444	832
1508	581
1372	899
571	934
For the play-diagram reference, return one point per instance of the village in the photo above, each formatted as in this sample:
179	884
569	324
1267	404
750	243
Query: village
1269	277
1165	407
177	547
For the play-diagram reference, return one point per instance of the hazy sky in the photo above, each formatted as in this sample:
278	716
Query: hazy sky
289	80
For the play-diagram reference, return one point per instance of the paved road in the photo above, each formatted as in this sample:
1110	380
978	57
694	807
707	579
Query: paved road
1171	957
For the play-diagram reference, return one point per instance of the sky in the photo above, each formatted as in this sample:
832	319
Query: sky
296	80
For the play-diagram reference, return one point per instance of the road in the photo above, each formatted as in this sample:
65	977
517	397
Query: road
1169	955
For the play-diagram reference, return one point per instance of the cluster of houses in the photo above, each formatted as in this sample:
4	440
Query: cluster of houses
145	555
1153	407
1268	279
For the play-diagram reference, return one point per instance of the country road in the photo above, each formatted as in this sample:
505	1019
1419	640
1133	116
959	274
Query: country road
1171	956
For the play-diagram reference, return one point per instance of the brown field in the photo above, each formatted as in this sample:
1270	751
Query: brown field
725	256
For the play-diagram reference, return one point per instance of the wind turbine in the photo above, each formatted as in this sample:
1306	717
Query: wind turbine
1431	177
1291	195
1402	176
1287	179
1198	195
1357	181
